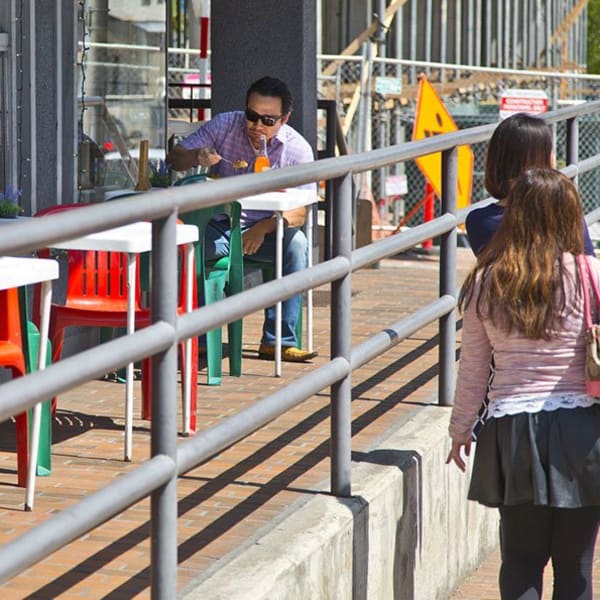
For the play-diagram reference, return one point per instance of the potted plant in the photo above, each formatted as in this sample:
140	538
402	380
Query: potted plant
9	203
160	174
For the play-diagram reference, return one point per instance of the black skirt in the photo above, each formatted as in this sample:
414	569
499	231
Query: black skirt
549	458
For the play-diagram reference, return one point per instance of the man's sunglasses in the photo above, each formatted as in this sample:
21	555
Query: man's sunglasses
266	120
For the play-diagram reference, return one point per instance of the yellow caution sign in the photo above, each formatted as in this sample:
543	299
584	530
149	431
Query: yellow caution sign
433	118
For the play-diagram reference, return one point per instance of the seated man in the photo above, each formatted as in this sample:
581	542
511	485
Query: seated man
228	144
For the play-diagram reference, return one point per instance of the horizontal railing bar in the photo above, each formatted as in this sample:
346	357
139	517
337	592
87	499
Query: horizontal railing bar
93	510
399	331
217	438
24	392
244	303
394	244
407	62
481	69
593	216
588	164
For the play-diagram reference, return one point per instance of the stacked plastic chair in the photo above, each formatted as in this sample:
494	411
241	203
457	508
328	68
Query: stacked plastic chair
218	278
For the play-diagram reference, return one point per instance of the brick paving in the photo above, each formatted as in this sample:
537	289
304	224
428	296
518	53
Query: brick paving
226	504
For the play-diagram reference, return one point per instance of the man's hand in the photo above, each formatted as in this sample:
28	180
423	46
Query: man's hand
207	157
182	159
253	238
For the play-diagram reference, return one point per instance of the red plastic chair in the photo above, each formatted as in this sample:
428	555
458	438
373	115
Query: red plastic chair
97	297
12	357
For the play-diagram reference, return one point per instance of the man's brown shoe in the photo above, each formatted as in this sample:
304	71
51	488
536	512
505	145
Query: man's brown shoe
288	353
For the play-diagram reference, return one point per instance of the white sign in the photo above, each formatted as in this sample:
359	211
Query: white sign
532	102
388	85
395	185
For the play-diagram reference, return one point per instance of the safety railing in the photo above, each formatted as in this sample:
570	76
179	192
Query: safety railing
157	477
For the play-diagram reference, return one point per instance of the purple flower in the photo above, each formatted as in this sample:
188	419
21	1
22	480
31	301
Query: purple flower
159	168
11	194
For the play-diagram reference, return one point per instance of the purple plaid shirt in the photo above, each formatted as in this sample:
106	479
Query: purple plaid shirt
226	133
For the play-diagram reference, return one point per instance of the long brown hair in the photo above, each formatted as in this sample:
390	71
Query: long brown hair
522	285
519	142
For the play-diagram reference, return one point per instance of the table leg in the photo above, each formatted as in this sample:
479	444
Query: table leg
45	301
278	274
131	273
309	292
187	384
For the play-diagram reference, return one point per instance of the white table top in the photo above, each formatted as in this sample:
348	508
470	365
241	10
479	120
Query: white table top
287	199
16	271
133	238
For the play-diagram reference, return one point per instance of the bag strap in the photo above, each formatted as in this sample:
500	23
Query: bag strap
585	274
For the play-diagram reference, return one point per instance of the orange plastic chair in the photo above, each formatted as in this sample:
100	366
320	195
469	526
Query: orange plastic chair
12	357
96	296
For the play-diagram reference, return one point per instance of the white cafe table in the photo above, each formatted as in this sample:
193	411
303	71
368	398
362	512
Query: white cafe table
17	272
134	239
279	202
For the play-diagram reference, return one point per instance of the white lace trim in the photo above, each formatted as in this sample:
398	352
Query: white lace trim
530	403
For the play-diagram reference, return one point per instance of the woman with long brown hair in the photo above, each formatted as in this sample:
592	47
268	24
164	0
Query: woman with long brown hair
538	454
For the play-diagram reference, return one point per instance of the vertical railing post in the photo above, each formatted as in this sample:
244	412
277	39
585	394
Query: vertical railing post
163	550
448	278
341	341
573	144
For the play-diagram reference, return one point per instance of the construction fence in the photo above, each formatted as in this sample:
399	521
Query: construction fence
377	101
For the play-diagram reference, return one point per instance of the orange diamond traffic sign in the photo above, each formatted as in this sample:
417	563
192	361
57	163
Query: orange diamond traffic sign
433	118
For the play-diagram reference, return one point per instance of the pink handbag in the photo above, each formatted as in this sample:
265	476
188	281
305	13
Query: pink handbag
592	350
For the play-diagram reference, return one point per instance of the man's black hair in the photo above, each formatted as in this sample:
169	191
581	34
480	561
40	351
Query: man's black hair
275	88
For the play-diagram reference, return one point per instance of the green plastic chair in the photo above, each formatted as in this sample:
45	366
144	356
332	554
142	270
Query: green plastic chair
31	343
218	278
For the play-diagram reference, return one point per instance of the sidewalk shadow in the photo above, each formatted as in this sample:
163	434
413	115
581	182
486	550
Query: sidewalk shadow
66	424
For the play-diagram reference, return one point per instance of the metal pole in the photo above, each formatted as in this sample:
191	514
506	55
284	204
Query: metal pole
458	56
515	35
525	33
413	39
573	144
399	37
444	38
471	32
478	17
499	37
163	550
330	134
59	102
381	113
506	61
488	34
341	338
13	65
428	34
448	278
32	145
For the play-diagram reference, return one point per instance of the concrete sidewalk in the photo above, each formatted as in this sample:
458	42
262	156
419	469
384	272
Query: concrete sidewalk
231	502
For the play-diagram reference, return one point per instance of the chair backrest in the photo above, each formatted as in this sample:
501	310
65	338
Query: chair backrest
197	178
201	217
96	280
10	317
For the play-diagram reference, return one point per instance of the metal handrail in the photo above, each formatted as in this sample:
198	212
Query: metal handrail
162	337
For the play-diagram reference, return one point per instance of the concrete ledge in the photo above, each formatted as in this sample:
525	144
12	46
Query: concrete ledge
408	532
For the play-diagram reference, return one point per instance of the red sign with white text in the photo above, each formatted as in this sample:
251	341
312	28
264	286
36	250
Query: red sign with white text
532	102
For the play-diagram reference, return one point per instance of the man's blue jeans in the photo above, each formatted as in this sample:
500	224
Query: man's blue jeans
295	258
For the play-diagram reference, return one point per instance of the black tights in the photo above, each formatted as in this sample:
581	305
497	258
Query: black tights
530	535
